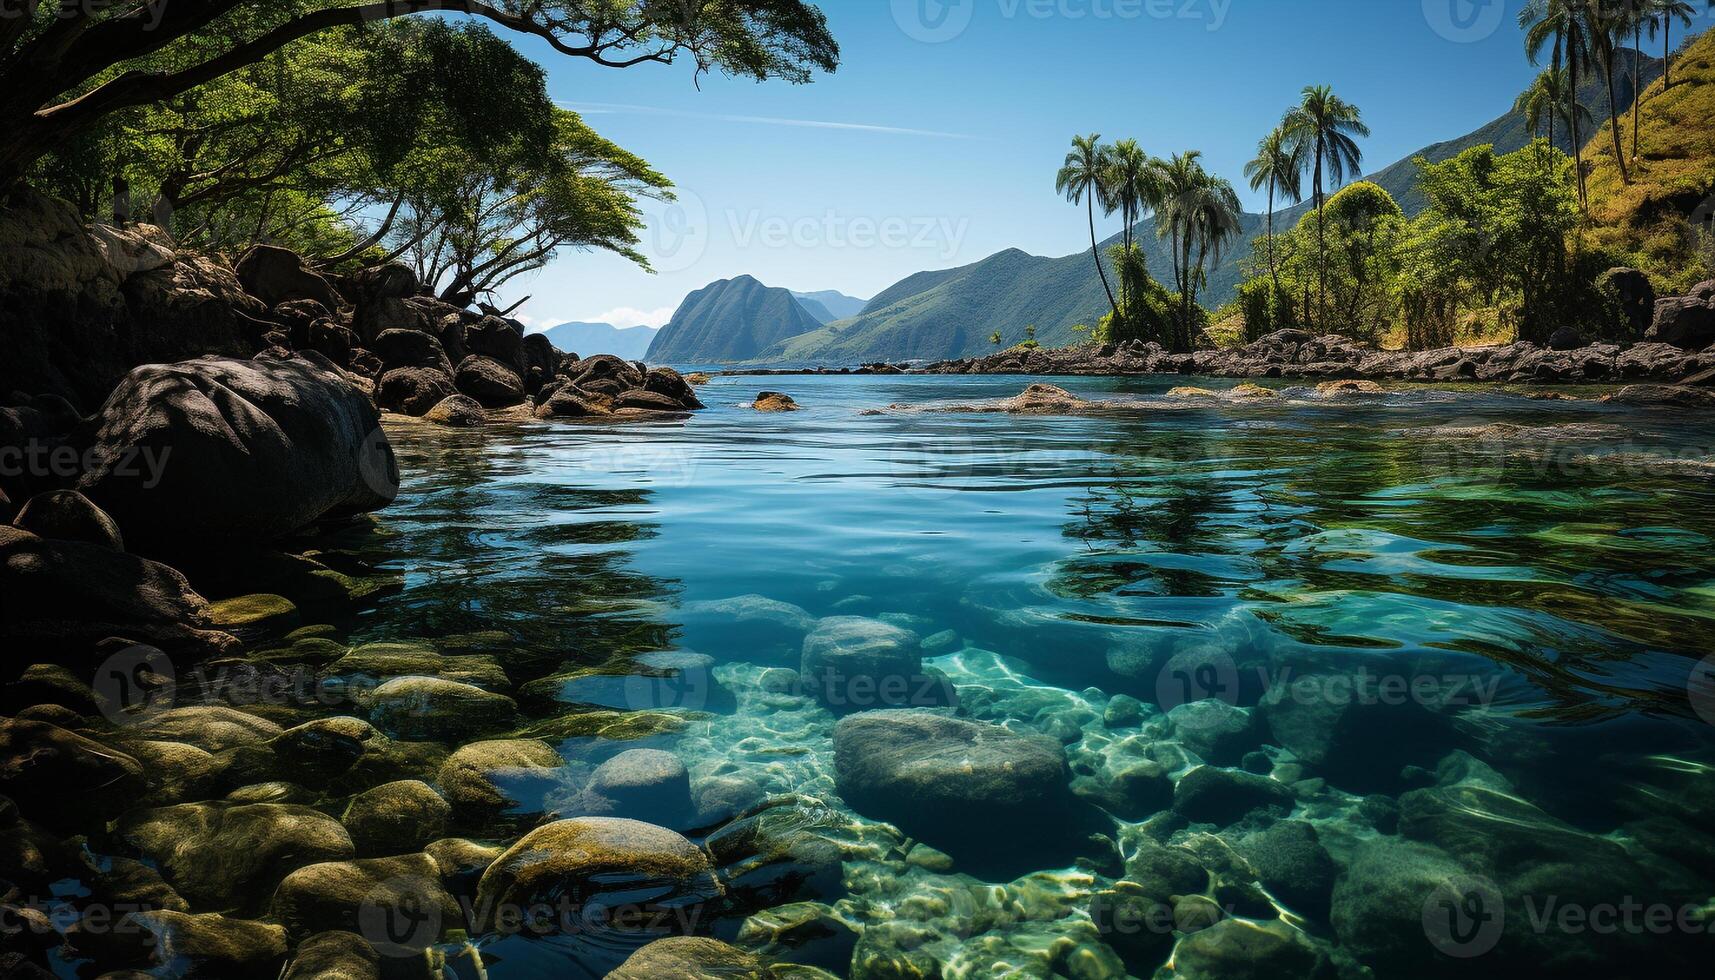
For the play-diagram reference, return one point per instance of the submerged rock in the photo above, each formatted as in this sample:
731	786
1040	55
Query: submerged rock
774	401
851	663
396	818
335	956
689	958
1239	949
226	856
960	785
66	515
647	784
188	945
63	779
486	779
432	708
635	863
356	896
1208	794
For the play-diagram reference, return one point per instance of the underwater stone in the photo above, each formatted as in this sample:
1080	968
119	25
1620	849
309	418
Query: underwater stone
344	895
261	613
189	945
1219	733
335	956
1123	711
1208	794
429	708
1291	862
1238	949
62	778
648	784
947	780
588	857
212	728
688	958
851	663
485	778
396	818
226	856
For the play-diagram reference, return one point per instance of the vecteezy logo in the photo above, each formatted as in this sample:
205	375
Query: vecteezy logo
933	21
399	918
134	684
678	232
1197	673
1701	688
1465	21
1464	917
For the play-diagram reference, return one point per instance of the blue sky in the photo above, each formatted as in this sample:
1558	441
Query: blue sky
936	143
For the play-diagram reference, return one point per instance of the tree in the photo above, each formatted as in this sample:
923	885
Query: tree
1201	213
1279	166
1323	127
1131	186
994	338
66	66
1662	15
1559	21
1365	224
1550	98
1605	23
493	220
1080	181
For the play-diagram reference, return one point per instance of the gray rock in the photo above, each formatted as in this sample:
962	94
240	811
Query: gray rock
1239	949
1291	862
66	515
396	818
854	664
1207	794
492	382
647	784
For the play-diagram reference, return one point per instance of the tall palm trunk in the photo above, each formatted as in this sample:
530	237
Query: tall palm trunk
1614	119
1577	141
1096	251
1637	83
1666	53
1321	244
1273	268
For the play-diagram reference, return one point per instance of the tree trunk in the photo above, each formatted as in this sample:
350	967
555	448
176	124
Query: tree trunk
1321	245
1637	84
1614	120
1096	250
1273	268
1577	143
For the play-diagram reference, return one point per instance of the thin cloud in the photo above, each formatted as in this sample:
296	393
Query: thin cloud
610	108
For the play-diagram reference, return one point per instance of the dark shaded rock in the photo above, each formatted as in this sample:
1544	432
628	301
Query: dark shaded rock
571	402
413	390
1208	794
410	349
64	597
189	946
277	275
489	381
1686	321
965	787
335	956
785	850
396	818
1137	923
1634	301
332	340
774	401
243	451
648	401
1218	732
457	411
1239	949
224	856
498	339
63	779
358	896
1357	741
668	382
1676	396
647	784
540	354
66	515
1566	338
1290	861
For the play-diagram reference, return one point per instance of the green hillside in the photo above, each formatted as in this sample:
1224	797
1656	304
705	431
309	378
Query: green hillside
954	312
731	320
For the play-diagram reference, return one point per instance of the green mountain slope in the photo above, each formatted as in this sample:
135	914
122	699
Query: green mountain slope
953	312
731	320
838	304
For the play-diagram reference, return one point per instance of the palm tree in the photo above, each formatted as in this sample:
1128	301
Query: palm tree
1080	181
1131	186
1662	15
1558	20
1201	213
1549	98
1322	127
1279	165
1605	24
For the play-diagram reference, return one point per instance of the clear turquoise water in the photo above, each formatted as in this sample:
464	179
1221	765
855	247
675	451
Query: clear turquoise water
1569	580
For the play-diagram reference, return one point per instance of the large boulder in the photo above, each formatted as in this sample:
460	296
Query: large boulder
63	779
66	515
410	349
357	896
413	390
493	337
1686	321
62	598
223	856
602	863
220	450
177	944
851	663
1633	298
492	382
689	958
277	275
960	785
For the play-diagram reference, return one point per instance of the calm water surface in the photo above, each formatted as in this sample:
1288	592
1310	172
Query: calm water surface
1491	633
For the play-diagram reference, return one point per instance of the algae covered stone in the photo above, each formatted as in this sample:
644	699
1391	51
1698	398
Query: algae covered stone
431	708
635	864
225	856
372	897
396	818
690	958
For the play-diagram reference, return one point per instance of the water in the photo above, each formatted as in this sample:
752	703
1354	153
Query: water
1463	658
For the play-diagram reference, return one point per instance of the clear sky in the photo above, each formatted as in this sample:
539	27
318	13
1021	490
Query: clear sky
936	142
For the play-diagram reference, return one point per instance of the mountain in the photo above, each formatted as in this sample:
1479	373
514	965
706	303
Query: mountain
838	304
820	313
953	312
631	343
731	320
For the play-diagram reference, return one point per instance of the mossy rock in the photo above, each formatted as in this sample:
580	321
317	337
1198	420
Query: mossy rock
254	614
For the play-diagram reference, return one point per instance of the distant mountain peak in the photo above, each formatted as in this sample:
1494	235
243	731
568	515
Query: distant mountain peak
731	320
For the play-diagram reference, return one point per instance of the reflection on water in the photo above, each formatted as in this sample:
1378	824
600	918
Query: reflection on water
1314	667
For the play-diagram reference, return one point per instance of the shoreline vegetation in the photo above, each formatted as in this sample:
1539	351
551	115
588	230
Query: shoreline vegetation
240	242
